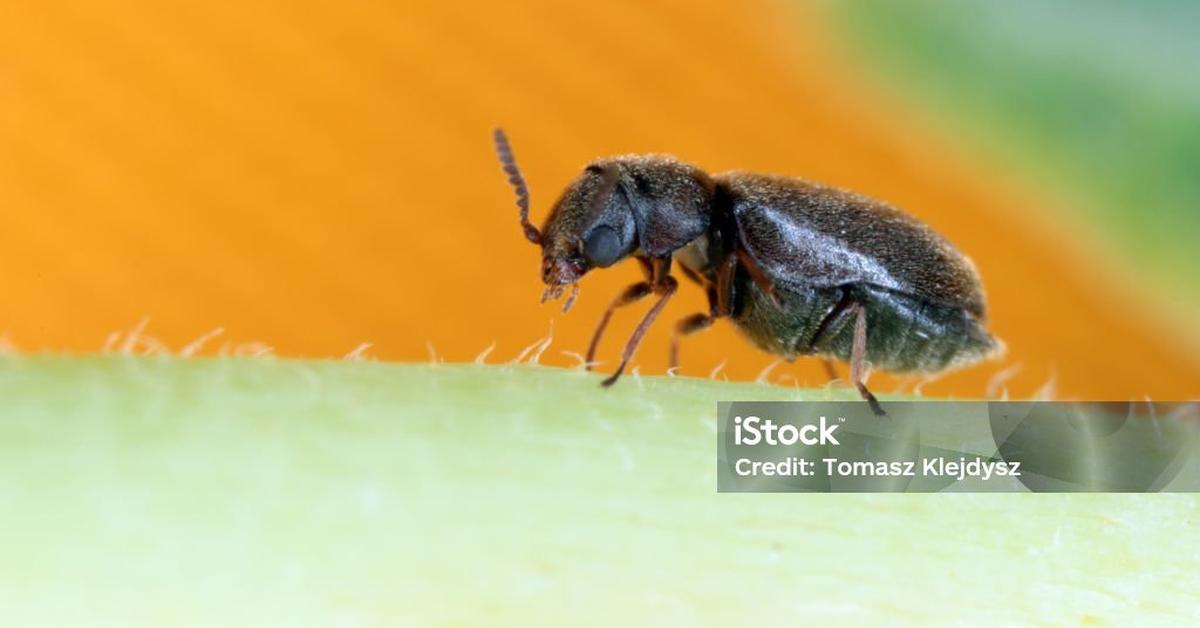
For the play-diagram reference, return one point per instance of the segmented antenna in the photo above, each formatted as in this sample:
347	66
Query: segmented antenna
504	152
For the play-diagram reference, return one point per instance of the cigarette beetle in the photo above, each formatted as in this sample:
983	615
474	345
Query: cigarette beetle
800	268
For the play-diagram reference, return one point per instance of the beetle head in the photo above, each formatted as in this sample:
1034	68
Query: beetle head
591	225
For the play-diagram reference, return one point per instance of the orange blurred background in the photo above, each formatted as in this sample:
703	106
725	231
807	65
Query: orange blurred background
318	175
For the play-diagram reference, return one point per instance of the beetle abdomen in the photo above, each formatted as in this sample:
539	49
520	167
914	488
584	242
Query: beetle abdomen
908	334
793	323
904	333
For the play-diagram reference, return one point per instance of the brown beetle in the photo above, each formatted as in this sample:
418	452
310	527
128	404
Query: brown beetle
800	268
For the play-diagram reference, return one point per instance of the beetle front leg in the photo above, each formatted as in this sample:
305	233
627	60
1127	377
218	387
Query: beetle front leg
665	285
630	295
634	293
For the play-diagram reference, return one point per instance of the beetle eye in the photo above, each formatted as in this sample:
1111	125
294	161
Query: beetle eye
602	247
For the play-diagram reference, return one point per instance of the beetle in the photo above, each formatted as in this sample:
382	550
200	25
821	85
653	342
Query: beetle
799	267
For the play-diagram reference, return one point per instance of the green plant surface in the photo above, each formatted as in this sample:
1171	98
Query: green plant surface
263	492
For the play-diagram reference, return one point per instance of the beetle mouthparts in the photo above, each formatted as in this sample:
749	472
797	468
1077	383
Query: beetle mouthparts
558	272
553	292
571	299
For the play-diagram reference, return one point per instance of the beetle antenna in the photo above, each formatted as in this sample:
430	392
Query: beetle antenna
504	152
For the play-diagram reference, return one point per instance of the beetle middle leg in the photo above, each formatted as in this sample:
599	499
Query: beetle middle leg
720	303
757	274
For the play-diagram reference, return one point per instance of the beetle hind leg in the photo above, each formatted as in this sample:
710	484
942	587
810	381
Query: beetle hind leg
828	328
858	358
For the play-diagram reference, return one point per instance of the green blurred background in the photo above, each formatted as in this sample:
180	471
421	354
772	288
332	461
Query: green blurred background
1098	101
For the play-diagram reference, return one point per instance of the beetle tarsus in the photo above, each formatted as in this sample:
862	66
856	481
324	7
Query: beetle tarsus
612	379
870	399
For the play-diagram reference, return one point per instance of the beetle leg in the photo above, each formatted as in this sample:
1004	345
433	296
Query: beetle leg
666	286
647	267
693	275
756	273
858	355
659	270
841	309
725	286
632	294
687	326
720	303
692	324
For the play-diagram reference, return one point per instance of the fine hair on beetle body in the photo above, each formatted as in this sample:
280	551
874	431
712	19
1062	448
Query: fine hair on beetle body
798	267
